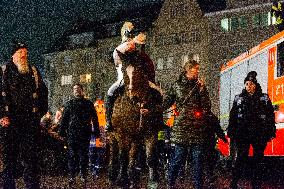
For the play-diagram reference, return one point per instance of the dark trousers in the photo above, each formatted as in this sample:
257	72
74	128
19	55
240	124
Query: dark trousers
78	157
20	147
242	159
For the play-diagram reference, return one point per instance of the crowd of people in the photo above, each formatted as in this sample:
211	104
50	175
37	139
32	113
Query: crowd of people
188	135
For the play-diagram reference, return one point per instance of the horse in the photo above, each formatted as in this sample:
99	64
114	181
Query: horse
133	125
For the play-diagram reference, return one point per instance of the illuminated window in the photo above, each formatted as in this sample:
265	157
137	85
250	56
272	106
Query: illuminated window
196	57
273	19
225	24
184	59
66	80
85	78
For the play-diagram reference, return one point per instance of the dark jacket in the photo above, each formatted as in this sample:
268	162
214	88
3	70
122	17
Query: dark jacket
213	129
252	117
76	121
23	95
190	99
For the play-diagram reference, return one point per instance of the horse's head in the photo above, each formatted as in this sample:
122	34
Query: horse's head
135	78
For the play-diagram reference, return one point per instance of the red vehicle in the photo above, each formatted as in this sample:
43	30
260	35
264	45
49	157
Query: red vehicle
267	59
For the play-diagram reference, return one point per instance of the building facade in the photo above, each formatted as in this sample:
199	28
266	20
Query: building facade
233	31
91	67
181	31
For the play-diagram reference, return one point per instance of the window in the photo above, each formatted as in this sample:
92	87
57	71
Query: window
196	57
264	19
87	58
160	63
177	39
179	10
67	59
184	59
66	80
184	38
272	19
86	78
170	62
280	59
234	23
170	40
243	22
159	40
225	24
256	20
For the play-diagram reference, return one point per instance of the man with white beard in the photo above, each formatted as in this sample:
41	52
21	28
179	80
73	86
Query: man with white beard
23	102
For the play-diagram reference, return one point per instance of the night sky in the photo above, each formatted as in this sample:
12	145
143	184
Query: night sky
40	22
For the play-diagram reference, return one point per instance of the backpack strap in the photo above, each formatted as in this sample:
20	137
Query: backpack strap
36	78
35	74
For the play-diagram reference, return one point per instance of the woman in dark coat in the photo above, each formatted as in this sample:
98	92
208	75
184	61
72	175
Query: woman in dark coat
251	122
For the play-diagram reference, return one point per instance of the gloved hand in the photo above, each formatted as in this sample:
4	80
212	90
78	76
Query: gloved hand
224	139
108	128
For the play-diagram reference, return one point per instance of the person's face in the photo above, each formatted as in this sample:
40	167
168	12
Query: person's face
250	87
21	55
78	91
192	73
48	115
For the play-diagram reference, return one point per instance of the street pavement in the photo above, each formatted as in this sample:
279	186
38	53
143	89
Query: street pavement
273	179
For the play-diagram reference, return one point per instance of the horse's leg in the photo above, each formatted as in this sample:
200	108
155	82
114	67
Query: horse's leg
113	160
124	147
152	158
132	171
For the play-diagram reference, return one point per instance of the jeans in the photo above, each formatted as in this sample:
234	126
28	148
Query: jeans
96	155
194	152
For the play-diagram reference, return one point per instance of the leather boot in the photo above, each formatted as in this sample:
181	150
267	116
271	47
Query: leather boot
109	109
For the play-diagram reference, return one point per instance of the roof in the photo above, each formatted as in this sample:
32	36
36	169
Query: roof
212	5
142	16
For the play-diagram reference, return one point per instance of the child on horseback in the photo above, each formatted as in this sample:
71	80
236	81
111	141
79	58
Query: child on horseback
130	43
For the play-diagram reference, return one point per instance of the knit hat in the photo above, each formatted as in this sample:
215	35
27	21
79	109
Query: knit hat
251	77
16	46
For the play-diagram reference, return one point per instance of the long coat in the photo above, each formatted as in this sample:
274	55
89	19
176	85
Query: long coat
193	104
252	117
22	95
76	121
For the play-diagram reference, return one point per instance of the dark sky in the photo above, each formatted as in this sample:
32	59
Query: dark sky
40	22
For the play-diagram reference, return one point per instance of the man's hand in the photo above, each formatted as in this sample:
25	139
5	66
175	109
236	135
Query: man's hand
144	111
201	83
5	122
224	139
